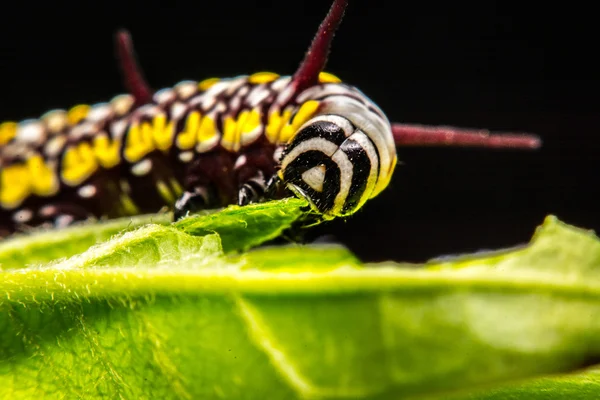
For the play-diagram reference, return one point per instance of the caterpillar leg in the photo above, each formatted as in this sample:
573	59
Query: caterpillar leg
253	190
275	189
191	202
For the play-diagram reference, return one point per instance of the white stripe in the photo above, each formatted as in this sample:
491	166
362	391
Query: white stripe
378	130
347	170
364	141
319	144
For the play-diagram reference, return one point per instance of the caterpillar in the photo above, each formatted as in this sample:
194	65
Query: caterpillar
207	144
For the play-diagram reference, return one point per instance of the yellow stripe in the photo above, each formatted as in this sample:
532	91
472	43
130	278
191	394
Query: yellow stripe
262	77
207	129
162	132
326	77
207	83
8	130
165	193
43	178
15	181
79	162
107	151
306	111
139	142
187	138
77	113
128	205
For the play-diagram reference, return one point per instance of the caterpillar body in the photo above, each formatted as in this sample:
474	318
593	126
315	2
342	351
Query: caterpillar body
211	143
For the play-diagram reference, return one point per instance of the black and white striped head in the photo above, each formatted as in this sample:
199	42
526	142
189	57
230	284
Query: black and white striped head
340	158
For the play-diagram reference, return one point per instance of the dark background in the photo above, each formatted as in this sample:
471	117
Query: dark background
499	65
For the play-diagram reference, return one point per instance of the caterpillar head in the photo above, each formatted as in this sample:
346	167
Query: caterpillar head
347	153
340	158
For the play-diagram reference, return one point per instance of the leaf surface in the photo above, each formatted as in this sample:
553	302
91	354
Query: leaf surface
171	311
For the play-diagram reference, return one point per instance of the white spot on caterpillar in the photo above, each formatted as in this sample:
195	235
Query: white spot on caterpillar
30	131
186	156
148	110
258	94
64	220
55	120
249	137
54	146
87	191
164	96
240	162
99	112
315	177
280	83
47	211
221	107
22	216
277	154
142	168
117	129
285	95
122	104
207	102
177	110
234	85
80	131
186	89
243	91
235	103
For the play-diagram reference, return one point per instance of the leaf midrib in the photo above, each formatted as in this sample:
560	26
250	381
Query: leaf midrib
22	284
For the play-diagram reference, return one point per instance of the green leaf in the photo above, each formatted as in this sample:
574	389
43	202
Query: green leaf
240	228
40	246
581	386
173	312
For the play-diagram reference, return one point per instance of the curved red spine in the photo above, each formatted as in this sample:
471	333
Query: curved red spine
133	78
315	60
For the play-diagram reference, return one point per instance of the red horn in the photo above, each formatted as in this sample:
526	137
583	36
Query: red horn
420	135
316	57
132	73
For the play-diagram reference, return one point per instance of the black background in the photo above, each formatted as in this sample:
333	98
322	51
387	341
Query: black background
499	65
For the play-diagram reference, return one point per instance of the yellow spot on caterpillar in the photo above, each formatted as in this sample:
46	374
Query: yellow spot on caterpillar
107	151
128	205
176	187
43	178
8	130
276	122
14	185
326	77
162	132
207	130
79	162
228	140
207	83
139	142
262	77
77	113
187	138
165	192
305	112
233	130
249	131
